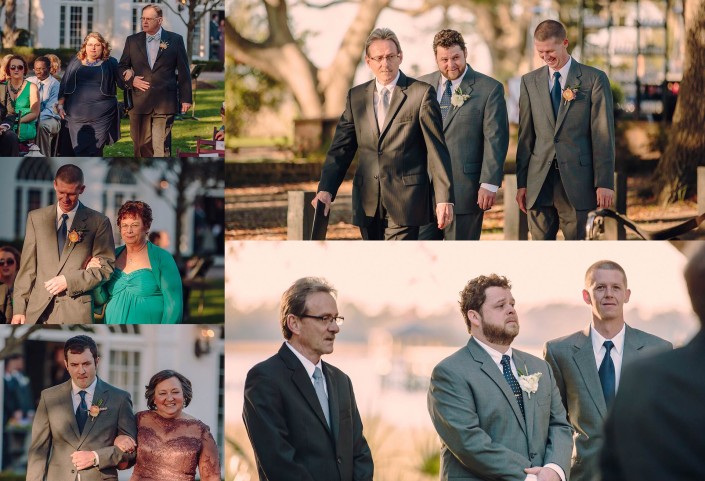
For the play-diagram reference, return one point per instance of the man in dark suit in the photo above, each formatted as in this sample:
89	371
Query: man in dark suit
565	154
655	429
300	413
587	379
394	125
476	132
160	78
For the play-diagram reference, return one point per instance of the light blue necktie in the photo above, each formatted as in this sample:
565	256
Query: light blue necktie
321	393
152	37
445	100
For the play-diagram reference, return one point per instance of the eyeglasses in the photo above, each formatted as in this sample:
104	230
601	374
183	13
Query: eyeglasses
384	58
145	19
16	67
9	262
327	319
130	226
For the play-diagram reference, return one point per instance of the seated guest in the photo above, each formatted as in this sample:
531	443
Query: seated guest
49	120
9	265
55	65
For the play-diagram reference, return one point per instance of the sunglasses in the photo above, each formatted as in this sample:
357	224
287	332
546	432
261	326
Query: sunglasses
9	262
16	67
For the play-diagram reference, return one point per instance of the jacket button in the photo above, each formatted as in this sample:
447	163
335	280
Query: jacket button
379	152
340	460
376	177
555	141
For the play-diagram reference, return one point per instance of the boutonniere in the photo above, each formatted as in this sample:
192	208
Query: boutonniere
458	98
163	45
529	383
569	94
95	409
76	235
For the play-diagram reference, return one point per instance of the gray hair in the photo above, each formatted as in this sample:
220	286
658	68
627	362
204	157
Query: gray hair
381	34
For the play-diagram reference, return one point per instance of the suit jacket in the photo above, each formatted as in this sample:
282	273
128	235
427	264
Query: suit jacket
55	434
575	369
289	432
477	136
41	262
483	433
170	78
655	428
581	138
394	163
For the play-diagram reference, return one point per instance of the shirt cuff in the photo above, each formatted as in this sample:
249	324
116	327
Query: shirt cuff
490	187
96	459
445	203
531	477
557	469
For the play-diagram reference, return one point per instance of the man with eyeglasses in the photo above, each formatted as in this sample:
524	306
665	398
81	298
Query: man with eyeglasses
53	286
148	63
394	125
49	120
300	413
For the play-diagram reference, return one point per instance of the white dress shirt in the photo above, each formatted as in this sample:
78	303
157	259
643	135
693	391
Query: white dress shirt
390	86
564	74
309	366
76	400
617	352
69	221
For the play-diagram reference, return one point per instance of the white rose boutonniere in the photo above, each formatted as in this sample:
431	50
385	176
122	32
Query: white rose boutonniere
529	383
163	45
458	98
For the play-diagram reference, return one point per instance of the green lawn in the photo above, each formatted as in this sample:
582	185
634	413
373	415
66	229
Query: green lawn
184	132
213	306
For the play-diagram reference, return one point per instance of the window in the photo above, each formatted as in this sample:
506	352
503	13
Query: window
125	372
75	22
137	13
34	189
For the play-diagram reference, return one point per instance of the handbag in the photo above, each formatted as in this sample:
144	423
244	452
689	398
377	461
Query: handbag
127	99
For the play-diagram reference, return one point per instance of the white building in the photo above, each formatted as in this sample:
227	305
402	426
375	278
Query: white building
65	23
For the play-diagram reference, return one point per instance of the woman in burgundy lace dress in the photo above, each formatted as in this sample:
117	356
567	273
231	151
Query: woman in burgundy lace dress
170	443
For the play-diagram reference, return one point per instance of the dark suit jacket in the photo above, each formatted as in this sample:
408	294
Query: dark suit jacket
575	369
477	136
655	429
169	76
288	430
396	162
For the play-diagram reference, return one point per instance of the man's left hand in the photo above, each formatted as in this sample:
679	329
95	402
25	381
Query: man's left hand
83	459
56	285
604	198
543	474
444	214
485	198
184	107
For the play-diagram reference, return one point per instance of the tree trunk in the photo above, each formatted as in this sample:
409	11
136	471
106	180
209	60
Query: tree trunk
9	36
676	176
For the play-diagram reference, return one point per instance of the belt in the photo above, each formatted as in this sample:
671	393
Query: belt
554	164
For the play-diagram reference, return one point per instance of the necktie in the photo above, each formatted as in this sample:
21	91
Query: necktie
513	383
61	233
445	100
82	412
606	372
321	393
151	38
382	108
556	93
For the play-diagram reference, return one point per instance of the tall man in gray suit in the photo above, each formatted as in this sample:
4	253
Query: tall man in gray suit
300	412
394	125
476	132
565	155
497	409
587	377
53	286
66	444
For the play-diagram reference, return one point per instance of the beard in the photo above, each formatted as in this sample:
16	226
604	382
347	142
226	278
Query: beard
500	335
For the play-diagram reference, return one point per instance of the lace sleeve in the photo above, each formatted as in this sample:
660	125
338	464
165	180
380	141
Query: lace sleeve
208	462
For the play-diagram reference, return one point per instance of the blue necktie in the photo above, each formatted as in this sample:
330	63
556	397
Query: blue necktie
321	393
62	232
556	94
82	412
152	37
513	383
445	100
607	377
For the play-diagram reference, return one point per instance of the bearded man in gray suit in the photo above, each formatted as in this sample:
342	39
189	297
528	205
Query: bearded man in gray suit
53	285
565	154
394	125
476	131
66	444
587	378
497	409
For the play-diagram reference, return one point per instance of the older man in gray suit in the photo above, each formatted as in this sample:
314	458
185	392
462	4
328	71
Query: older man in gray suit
394	125
53	286
476	131
565	155
77	422
497	409
587	377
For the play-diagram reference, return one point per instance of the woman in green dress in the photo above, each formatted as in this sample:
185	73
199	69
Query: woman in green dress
23	98
145	287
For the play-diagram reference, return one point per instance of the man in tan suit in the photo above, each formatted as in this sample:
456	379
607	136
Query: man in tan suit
53	286
394	125
565	155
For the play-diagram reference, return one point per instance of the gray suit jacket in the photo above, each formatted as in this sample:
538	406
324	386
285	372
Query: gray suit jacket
483	433
574	367
41	262
477	136
581	138
55	434
394	163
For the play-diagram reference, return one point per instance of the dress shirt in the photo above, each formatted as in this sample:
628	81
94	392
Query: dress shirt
390	86
617	352
153	47
49	88
564	74
309	366
69	221
76	400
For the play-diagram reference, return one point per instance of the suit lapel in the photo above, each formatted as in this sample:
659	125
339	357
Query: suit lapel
333	402
303	383
398	100
466	87
529	402
574	74
141	40
584	357
164	38
100	396
544	96
66	403
79	224
632	346
370	106
53	233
